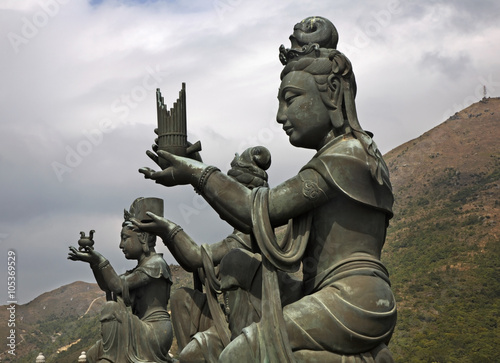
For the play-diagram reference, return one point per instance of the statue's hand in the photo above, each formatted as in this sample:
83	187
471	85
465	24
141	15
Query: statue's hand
89	255
159	226
180	171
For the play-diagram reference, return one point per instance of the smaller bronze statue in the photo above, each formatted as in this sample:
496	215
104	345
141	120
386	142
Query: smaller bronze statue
135	323
202	328
86	242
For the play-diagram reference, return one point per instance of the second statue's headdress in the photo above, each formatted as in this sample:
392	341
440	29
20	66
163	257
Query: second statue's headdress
142	205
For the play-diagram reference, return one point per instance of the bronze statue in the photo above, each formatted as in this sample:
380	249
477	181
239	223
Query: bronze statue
337	209
201	327
135	323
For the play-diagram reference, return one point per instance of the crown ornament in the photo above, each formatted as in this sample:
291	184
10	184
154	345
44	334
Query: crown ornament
139	208
309	36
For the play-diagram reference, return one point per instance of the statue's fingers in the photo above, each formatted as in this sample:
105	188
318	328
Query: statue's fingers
156	131
166	155
154	147
152	156
153	216
148	172
137	223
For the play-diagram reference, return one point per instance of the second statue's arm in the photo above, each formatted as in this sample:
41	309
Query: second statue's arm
184	249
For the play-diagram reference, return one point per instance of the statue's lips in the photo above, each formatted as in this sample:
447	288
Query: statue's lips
288	130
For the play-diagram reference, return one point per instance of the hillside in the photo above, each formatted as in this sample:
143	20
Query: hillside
55	320
64	322
442	251
442	246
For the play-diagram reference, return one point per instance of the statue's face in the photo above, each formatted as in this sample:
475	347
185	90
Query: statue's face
130	244
301	111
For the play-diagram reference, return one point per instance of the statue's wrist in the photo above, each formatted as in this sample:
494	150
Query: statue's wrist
202	180
169	237
102	263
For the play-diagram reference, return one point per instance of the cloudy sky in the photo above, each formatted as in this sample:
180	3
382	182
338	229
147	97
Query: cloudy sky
78	103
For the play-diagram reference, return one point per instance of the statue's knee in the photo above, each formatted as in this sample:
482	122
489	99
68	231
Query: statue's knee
192	353
110	311
239	351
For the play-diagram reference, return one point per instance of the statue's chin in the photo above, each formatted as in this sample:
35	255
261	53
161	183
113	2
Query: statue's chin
298	143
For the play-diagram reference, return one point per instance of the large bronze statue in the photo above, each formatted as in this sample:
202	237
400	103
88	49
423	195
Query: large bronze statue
135	323
337	208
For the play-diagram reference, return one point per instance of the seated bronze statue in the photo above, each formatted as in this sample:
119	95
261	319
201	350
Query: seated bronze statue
337	209
135	323
199	322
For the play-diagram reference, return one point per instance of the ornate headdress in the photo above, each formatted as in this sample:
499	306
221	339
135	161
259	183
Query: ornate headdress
139	208
310	35
250	167
314	40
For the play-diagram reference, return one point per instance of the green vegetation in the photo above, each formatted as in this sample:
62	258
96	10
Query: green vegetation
444	268
56	332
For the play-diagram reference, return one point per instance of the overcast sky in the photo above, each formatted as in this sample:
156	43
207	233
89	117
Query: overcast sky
77	113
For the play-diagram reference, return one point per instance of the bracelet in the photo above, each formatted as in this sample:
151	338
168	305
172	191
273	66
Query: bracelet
103	264
173	232
204	178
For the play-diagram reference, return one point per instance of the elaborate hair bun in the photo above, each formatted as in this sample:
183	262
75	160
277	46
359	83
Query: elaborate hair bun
250	167
312	36
315	29
261	156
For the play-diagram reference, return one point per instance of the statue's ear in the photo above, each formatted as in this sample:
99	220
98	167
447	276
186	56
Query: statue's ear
143	238
337	99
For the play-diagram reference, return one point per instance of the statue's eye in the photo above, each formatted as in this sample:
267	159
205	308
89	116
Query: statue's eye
290	97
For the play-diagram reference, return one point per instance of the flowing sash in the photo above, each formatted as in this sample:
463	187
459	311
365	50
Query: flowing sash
273	338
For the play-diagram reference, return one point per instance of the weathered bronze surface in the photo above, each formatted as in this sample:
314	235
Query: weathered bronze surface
198	318
135	323
337	209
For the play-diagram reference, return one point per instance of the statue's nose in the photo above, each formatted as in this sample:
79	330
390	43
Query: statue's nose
280	116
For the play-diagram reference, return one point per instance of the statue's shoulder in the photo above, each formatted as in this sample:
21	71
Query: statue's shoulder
344	164
340	154
344	148
155	266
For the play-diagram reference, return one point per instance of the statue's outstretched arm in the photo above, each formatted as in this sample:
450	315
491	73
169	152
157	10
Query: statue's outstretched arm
232	200
94	259
117	283
184	249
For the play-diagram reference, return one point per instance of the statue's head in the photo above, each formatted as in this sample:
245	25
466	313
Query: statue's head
317	91
135	242
250	167
314	62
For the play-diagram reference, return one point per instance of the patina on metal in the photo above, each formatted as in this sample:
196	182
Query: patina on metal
337	209
135	323
197	316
